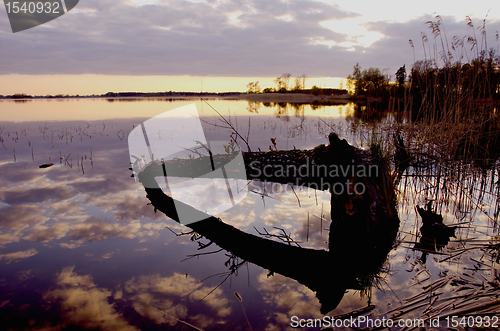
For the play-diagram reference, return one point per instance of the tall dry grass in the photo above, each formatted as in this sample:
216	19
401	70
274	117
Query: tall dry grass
452	99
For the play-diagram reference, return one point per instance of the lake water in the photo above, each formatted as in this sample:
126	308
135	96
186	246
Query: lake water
80	247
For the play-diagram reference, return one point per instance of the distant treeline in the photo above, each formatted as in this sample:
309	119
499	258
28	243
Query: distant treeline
314	91
283	86
17	96
168	94
125	95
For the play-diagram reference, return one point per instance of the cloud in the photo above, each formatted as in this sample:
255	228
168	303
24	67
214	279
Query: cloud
129	207
180	285
159	311
97	229
68	277
155	297
246	38
16	256
301	222
57	204
290	297
42	233
7	238
179	37
20	217
15	172
38	195
30	223
294	299
84	304
103	185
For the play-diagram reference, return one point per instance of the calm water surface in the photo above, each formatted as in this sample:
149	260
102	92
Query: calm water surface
80	247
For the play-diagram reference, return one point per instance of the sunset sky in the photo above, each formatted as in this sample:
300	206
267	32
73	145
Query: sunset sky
181	45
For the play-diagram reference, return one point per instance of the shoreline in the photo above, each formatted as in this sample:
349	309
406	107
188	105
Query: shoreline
257	97
296	98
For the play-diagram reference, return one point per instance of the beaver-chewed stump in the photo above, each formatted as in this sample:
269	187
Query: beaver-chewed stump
364	218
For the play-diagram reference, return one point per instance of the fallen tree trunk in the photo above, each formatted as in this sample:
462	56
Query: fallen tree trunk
321	168
364	219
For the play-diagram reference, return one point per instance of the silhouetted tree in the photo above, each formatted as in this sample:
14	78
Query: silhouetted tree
300	82
253	87
354	80
282	82
401	75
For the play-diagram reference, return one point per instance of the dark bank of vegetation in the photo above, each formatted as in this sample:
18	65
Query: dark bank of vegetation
126	95
24	96
441	79
168	94
449	101
17	96
442	129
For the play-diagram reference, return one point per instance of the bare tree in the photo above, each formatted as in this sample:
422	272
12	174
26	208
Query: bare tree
253	87
286	80
282	82
303	79
300	83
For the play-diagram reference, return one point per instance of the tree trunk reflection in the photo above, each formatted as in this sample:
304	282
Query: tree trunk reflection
363	229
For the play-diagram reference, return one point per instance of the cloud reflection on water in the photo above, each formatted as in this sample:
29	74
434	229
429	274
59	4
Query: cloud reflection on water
161	300
149	296
129	265
88	217
85	304
49	206
10	257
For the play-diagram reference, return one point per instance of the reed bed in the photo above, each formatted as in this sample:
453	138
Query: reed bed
451	102
448	117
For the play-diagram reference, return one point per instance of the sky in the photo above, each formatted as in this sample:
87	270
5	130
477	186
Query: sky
222	45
